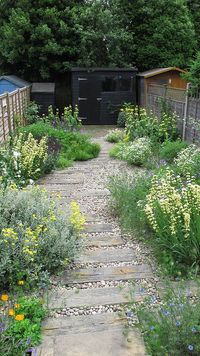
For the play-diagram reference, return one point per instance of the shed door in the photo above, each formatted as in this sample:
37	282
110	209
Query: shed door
89	99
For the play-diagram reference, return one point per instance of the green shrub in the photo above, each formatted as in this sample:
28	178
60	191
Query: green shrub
136	153
173	327
17	336
170	149
121	119
139	123
188	161
36	237
114	136
72	146
32	113
128	193
172	208
23	159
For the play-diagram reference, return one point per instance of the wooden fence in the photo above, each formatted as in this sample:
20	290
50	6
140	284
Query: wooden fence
12	108
186	107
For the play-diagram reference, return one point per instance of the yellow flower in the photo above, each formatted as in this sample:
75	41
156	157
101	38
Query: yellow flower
19	317
11	312
17	305
4	297
20	283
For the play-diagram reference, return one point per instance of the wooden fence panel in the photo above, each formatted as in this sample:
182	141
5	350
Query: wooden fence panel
12	108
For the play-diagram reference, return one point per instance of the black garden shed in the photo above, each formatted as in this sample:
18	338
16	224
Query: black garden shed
44	95
100	92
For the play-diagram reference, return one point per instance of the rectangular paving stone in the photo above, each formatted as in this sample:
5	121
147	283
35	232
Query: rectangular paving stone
107	255
92	335
91	228
63	298
81	324
124	273
103	240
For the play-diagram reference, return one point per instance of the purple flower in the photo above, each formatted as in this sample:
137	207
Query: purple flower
194	329
171	305
130	314
141	290
28	341
166	312
152	328
190	347
178	323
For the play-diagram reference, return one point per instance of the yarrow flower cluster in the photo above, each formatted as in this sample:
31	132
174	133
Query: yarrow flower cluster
188	160
115	135
136	152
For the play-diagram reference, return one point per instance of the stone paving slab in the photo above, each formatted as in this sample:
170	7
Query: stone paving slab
102	227
107	255
81	324
103	241
60	298
124	273
98	335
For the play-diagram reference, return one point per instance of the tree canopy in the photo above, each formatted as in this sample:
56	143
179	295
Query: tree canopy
39	39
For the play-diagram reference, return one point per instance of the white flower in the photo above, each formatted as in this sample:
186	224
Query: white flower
16	154
31	181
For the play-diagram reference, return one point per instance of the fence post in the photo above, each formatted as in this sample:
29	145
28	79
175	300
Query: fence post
8	112
185	111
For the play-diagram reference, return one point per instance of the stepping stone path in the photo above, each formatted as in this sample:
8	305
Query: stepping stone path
89	305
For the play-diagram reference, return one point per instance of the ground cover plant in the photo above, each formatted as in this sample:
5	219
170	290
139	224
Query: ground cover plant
136	152
36	237
70	146
114	136
128	194
20	320
173	327
170	149
188	161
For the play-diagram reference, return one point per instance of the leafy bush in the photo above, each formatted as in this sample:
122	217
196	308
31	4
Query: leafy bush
121	119
23	159
136	152
139	123
173	327
115	135
20	324
128	193
122	116
72	145
172	209
36	237
170	149
31	113
188	161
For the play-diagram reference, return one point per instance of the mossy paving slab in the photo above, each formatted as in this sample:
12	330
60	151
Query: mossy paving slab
124	273
69	298
94	335
107	255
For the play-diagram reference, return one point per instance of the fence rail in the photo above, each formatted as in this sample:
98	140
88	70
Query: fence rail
186	107
12	108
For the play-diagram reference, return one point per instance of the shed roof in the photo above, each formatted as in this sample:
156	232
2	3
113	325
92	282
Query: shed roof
16	80
43	88
102	69
156	71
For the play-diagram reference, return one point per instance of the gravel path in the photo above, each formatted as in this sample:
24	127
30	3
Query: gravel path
98	283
